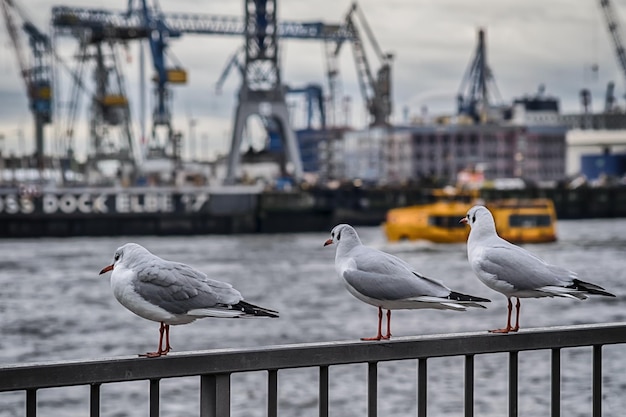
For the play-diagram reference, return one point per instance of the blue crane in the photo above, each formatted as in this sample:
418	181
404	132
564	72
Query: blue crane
37	73
131	25
140	21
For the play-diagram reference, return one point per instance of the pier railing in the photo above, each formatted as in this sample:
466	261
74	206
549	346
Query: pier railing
214	368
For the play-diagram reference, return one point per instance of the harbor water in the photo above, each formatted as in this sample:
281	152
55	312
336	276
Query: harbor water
54	306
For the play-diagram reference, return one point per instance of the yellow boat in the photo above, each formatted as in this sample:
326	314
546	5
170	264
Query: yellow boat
517	220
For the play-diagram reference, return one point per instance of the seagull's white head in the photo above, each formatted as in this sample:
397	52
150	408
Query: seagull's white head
125	254
343	234
480	219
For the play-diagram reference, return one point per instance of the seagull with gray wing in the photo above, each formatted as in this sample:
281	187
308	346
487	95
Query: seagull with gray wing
516	272
172	293
387	282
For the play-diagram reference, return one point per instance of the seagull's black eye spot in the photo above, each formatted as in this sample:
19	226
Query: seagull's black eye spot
117	256
338	236
474	218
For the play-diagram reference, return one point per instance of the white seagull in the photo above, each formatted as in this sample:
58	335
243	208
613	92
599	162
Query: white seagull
387	282
172	293
514	271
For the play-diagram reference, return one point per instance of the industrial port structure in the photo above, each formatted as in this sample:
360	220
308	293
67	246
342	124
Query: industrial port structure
101	33
351	175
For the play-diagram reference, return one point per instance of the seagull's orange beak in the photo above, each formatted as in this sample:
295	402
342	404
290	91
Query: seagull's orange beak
328	242
463	220
106	269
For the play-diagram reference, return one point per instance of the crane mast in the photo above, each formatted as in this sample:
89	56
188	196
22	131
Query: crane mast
478	85
375	91
614	29
36	74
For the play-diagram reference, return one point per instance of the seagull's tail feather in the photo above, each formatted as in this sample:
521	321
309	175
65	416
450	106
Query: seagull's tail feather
253	310
457	296
467	299
589	288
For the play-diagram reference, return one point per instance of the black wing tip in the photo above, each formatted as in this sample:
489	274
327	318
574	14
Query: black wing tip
255	310
590	288
457	296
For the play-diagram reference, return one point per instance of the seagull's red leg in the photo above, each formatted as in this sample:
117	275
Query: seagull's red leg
517	305
380	324
508	327
388	335
160	351
167	339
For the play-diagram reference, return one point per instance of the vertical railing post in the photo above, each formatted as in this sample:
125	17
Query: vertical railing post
597	381
31	403
422	380
215	395
555	379
513	365
272	393
154	397
372	389
469	386
323	412
94	400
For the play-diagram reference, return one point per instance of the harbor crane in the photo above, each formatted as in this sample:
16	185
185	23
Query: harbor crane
110	133
36	72
478	85
376	92
614	29
261	92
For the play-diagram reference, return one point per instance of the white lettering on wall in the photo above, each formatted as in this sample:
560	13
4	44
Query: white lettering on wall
87	203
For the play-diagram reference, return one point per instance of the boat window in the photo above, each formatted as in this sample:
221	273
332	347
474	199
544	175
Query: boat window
449	222
529	220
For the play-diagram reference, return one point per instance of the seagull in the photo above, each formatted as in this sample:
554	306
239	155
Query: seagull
516	272
387	282
172	293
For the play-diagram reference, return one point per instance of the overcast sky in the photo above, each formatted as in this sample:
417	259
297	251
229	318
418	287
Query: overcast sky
529	43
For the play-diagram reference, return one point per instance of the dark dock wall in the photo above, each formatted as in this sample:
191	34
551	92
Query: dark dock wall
190	213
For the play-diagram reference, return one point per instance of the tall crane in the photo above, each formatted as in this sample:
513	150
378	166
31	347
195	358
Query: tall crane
143	22
478	85
35	72
261	73
614	29
375	91
110	133
166	75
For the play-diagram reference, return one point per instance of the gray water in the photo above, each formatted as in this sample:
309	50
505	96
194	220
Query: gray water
54	306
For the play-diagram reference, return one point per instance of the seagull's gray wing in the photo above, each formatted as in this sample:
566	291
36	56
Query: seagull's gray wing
382	276
179	288
520	268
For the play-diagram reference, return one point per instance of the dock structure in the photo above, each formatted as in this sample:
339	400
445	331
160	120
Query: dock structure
214	368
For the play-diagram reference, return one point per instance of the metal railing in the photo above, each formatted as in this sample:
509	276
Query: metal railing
215	367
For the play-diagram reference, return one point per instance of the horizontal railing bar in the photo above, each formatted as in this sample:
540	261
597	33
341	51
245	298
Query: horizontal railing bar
58	374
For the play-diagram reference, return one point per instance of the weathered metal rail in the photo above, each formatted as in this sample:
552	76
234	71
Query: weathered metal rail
215	367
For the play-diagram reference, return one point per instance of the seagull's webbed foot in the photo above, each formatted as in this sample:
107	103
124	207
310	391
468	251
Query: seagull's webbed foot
505	330
163	330
508	327
379	337
153	354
